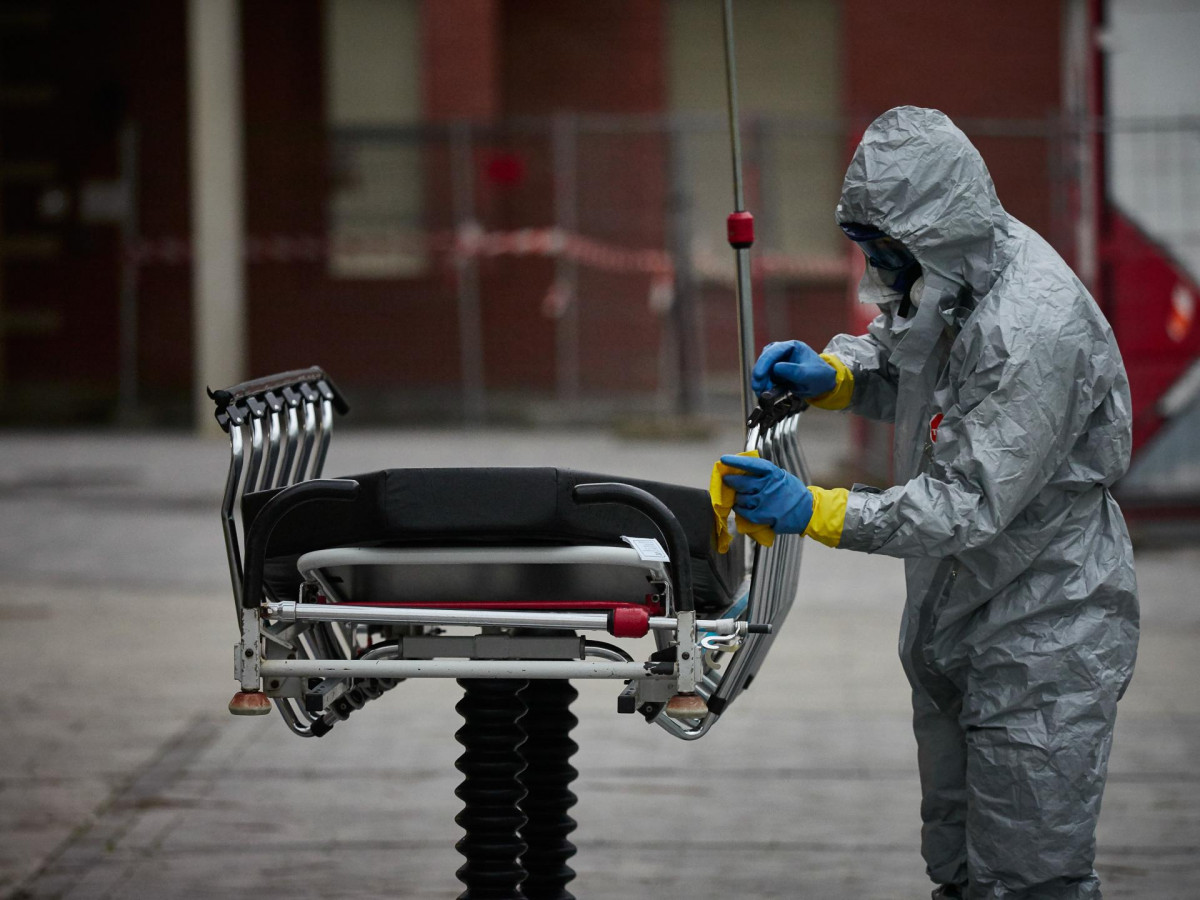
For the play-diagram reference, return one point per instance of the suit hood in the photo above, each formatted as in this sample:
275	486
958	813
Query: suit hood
916	177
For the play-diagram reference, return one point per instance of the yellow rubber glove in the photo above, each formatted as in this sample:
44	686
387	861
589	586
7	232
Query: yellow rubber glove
839	397
829	515
722	497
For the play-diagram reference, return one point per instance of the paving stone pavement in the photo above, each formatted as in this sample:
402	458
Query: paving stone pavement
124	777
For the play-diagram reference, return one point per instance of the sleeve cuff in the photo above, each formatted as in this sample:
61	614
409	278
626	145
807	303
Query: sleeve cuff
828	516
843	391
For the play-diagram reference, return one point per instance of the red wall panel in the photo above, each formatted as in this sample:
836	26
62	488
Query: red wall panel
972	61
460	64
105	67
156	71
601	56
396	332
1158	343
606	56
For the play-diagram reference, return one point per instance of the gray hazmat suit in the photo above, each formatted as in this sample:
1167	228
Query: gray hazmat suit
1021	624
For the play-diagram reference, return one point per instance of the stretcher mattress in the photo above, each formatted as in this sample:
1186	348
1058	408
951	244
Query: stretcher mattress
488	507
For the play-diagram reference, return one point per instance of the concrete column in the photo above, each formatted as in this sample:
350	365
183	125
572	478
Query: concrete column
218	217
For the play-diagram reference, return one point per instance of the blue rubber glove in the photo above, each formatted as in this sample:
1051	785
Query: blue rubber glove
767	495
793	365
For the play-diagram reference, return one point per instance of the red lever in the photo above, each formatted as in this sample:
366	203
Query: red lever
740	226
630	622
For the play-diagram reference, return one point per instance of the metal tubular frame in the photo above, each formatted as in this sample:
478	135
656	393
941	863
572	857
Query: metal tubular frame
306	446
229	518
325	436
323	645
256	454
771	590
241	411
272	460
291	438
461	668
290	611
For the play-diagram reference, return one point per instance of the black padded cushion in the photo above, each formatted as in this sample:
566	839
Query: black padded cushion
474	506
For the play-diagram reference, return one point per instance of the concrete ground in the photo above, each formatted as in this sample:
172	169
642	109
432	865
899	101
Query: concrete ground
124	777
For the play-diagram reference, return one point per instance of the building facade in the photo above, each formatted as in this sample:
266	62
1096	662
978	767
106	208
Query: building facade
465	207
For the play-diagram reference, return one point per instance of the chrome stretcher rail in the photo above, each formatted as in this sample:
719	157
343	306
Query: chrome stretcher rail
290	611
772	587
462	668
276	401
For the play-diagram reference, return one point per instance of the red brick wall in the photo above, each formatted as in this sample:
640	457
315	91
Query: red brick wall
606	56
156	71
398	333
972	61
481	60
461	59
106	65
598	56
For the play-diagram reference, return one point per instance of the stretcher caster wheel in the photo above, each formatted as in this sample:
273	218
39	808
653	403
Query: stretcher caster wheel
250	703
687	706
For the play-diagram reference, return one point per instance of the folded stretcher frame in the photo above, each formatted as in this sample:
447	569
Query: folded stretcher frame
344	587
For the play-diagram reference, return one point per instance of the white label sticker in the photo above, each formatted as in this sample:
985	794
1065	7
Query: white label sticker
648	549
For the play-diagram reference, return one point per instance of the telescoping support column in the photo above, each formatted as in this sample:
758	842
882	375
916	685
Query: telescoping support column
491	789
547	752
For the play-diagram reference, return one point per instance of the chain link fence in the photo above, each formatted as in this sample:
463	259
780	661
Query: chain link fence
579	262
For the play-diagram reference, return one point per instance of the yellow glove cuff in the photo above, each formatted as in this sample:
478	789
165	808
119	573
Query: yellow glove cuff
828	516
839	397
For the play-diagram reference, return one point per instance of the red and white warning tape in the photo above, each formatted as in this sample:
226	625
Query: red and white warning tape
472	242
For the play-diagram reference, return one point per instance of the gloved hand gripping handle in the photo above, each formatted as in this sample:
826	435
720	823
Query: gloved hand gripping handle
271	514
664	520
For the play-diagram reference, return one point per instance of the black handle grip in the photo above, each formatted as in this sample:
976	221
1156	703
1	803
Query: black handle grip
271	514
314	378
775	405
664	520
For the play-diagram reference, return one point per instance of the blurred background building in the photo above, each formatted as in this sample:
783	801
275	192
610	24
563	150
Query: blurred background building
513	210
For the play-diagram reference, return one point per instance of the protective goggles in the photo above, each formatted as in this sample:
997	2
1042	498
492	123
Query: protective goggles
885	253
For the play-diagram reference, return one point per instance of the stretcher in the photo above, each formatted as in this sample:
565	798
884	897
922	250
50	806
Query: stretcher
514	581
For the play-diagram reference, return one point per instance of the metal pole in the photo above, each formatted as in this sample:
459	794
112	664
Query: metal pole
735	139
218	203
741	230
470	324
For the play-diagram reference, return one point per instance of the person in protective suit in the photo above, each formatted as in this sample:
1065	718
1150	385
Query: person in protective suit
1012	421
